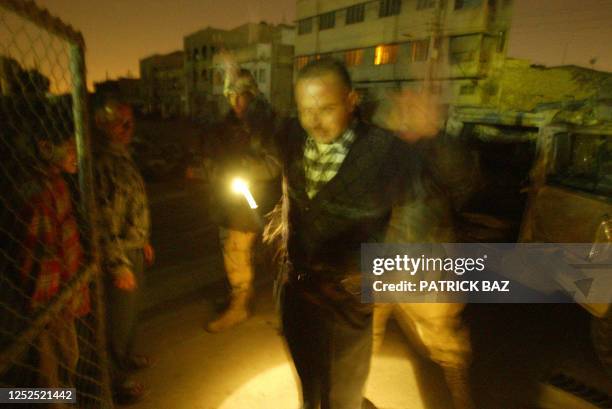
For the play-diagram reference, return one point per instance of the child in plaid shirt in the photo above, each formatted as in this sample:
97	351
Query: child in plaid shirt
51	256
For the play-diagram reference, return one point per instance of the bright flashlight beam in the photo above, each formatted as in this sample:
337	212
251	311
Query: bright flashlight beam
240	186
249	197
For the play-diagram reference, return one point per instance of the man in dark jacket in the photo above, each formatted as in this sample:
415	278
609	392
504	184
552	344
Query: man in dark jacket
341	178
239	148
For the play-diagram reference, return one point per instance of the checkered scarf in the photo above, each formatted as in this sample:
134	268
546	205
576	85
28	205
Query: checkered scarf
322	161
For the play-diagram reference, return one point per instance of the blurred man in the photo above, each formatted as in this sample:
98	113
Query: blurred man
341	178
124	231
238	148
437	330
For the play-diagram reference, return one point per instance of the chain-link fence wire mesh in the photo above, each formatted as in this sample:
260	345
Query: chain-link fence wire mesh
51	320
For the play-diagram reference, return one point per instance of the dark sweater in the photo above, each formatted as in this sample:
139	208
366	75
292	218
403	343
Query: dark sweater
326	232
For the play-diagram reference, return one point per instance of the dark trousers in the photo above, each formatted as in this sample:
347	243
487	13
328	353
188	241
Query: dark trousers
331	355
122	313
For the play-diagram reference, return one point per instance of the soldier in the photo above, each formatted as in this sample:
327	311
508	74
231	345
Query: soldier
238	147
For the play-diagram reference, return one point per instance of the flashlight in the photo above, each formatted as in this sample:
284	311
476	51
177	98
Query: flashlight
240	186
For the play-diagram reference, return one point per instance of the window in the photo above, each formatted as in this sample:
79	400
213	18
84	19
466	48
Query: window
205	75
353	58
218	78
305	26
425	4
463	48
418	50
196	54
327	20
261	74
204	52
501	41
301	61
389	8
355	14
468	89
583	162
385	54
466	4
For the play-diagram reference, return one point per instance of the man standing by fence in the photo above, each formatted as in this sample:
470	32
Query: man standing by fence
124	231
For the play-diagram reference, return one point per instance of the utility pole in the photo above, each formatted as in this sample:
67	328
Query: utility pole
437	33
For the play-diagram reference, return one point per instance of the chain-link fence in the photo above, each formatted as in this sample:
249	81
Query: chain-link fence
51	318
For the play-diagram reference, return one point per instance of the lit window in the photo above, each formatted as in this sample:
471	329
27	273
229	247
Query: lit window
218	78
425	4
353	58
385	54
301	61
466	4
327	20
389	8
355	14
418	50
305	26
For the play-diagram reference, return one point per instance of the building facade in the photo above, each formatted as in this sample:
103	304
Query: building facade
453	46
163	84
264	49
123	89
524	86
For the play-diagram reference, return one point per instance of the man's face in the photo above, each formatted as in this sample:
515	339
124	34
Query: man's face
239	102
325	106
122	128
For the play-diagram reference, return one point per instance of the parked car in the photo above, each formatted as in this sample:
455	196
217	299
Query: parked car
567	198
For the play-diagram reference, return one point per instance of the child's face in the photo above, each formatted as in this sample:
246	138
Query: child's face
67	156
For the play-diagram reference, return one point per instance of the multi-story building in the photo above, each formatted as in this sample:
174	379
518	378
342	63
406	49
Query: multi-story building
454	44
163	83
264	49
524	86
123	89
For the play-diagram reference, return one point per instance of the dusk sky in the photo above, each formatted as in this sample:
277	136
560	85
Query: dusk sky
120	32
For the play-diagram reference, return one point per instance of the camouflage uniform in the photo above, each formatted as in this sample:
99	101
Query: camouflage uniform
123	205
124	231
